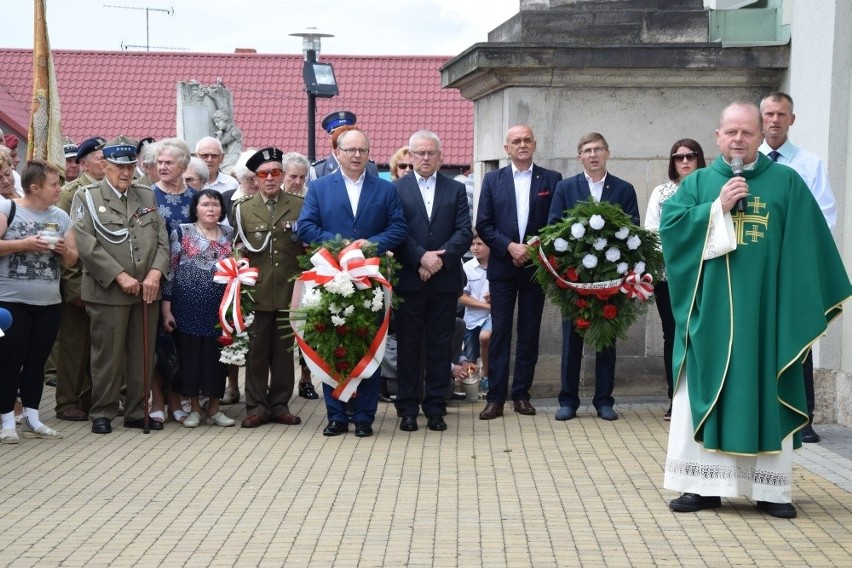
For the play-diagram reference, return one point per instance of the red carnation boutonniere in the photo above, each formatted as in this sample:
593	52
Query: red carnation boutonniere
543	193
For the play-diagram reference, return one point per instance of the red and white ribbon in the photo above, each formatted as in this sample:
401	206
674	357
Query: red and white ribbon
233	273
350	262
638	287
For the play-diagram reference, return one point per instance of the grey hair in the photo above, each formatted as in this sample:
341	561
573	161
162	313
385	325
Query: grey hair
210	139
424	135
239	169
149	154
177	148
199	168
295	159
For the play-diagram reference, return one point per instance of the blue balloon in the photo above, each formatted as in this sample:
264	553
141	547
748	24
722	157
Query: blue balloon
5	319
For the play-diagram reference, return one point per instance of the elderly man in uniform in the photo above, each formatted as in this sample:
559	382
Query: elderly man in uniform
72	168
125	253
266	225
210	150
336	124
354	204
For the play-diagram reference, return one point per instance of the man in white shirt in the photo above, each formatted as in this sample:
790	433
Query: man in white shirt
776	109
210	150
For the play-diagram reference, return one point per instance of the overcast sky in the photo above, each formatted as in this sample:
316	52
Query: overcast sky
361	27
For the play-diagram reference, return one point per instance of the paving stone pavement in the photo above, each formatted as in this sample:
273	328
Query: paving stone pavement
516	491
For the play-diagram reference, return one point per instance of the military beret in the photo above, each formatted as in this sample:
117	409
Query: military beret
121	150
270	154
338	118
88	146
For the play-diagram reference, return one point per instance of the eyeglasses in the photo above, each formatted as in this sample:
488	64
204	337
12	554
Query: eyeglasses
405	166
208	156
687	156
595	150
353	151
274	172
424	153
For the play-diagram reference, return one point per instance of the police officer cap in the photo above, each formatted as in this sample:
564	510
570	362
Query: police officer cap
270	154
142	143
88	146
70	149
338	118
121	150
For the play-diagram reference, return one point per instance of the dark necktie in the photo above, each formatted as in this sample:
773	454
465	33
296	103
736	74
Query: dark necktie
774	155
270	204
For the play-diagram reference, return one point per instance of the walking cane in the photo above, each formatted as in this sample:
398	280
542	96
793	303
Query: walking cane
145	369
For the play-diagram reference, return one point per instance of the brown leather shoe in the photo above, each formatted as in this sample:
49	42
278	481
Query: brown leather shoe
524	407
253	421
287	419
72	414
492	410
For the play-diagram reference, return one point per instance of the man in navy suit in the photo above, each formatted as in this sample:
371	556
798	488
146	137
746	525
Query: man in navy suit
430	282
513	205
593	182
355	205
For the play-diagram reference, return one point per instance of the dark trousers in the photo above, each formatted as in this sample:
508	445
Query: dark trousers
425	323
363	403
530	298
73	378
269	367
664	307
572	358
808	372
23	350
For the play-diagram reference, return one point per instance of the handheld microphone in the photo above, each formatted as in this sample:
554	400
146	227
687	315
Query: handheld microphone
737	169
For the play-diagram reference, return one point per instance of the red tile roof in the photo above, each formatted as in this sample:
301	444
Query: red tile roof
134	93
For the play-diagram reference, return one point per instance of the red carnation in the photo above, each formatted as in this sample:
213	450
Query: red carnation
604	296
225	340
562	284
610	311
342	329
342	366
571	273
582	323
340	352
551	258
319	327
362	332
581	303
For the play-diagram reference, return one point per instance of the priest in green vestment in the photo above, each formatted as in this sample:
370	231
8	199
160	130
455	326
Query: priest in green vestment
751	290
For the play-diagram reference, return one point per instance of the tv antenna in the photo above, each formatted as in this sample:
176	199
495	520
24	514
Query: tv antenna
147	46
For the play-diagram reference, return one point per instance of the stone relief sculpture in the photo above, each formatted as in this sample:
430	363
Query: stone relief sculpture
208	110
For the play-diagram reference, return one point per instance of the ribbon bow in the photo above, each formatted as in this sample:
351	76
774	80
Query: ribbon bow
350	263
233	273
638	286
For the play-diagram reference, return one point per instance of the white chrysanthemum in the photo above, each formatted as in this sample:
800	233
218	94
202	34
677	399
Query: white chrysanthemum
578	230
621	267
597	222
622	233
312	298
333	309
613	254
248	320
633	242
600	243
560	245
348	311
337	321
590	261
639	268
340	285
378	299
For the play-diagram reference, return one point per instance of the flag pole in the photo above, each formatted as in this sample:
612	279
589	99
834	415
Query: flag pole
44	138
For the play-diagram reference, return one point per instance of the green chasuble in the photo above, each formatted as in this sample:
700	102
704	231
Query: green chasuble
746	319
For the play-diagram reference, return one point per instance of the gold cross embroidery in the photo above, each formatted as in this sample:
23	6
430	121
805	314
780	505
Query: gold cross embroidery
740	219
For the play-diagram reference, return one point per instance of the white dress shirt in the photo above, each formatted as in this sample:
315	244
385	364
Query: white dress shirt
523	180
222	183
596	187
353	190
427	190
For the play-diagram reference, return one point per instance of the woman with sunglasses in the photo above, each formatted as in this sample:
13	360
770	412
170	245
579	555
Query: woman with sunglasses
399	166
685	157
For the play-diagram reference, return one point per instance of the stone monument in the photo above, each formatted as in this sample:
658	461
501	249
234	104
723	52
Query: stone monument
208	111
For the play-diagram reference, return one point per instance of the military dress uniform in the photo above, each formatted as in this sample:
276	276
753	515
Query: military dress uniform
271	245
114	237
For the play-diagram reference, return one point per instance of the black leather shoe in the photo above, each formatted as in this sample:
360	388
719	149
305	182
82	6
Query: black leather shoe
808	435
335	428
780	510
692	502
363	429
437	423
408	424
101	426
607	413
140	423
306	390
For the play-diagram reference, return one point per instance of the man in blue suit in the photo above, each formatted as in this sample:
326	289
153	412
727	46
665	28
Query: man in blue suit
430	282
594	182
355	205
513	205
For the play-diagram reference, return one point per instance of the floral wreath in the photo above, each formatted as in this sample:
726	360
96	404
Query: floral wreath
598	267
236	310
340	312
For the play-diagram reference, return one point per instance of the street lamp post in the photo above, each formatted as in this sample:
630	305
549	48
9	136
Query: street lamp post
319	79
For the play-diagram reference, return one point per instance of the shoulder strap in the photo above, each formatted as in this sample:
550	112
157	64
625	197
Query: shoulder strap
12	210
